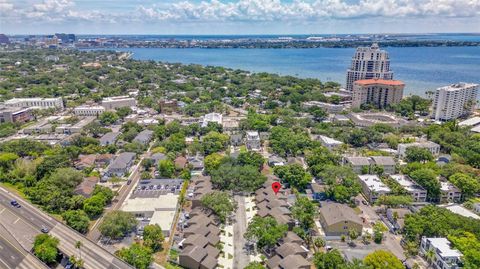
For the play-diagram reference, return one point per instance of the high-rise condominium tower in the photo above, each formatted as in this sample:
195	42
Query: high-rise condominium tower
369	63
454	101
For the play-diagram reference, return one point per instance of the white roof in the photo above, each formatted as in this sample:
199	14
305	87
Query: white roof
476	129
443	245
406	183
460	210
90	107
470	122
374	183
163	202
446	186
329	141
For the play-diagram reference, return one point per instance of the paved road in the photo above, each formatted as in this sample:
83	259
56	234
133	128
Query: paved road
12	255
94	234
241	258
25	222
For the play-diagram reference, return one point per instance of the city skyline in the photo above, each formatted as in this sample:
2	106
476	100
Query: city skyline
237	17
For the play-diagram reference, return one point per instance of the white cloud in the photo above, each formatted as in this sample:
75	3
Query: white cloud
241	11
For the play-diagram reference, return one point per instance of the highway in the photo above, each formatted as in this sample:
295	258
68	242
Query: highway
26	222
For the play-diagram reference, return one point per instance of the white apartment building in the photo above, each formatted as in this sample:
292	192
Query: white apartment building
449	193
445	256
434	148
373	187
454	101
118	101
418	193
369	63
253	141
36	103
88	110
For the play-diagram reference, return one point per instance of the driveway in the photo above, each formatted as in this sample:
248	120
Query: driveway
241	258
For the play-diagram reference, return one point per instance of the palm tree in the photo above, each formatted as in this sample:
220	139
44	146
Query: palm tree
430	255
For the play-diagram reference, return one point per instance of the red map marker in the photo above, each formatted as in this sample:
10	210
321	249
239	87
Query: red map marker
276	186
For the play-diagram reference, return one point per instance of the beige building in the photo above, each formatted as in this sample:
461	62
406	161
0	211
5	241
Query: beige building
337	219
377	92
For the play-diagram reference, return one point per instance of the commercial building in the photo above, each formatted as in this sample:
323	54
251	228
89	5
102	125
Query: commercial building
387	163
434	148
418	193
377	92
15	114
74	128
373	187
445	256
212	117
454	101
338	219
88	110
155	202
369	63
330	108
359	165
36	103
328	142
113	102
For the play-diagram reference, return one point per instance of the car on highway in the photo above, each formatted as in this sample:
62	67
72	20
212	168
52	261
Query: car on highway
44	230
15	204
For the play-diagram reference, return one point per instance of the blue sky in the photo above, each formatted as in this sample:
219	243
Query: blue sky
238	17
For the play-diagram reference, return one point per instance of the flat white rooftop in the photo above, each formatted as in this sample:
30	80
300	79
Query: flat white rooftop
443	245
141	204
407	183
460	210
374	183
330	141
470	122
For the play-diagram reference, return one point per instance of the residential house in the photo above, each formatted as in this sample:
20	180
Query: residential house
144	137
338	219
373	187
157	157
109	138
275	160
318	192
120	165
236	140
445	257
418	193
86	187
180	162
103	159
85	161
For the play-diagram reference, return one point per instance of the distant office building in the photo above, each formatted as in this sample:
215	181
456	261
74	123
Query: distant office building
418	193
88	110
118	101
4	39
369	63
377	92
36	103
66	38
15	114
454	101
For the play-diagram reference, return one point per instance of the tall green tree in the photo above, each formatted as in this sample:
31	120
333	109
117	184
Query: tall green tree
381	259
45	247
265	232
220	203
137	255
117	224
153	237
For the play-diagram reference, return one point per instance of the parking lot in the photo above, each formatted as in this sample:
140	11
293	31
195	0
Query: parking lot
157	187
